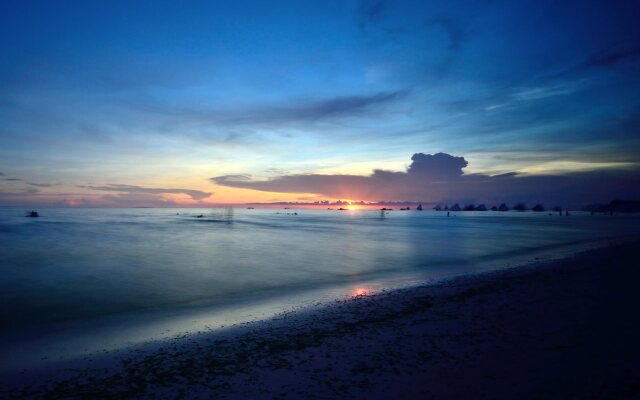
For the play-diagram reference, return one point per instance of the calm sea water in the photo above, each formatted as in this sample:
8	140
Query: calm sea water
74	266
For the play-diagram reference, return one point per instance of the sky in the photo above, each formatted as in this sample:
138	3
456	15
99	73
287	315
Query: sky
166	103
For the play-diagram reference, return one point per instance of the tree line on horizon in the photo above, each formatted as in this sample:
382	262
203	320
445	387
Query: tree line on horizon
623	206
502	207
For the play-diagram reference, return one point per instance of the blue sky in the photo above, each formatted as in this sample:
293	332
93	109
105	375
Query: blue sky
163	96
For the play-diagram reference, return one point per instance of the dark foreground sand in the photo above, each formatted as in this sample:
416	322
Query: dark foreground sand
559	330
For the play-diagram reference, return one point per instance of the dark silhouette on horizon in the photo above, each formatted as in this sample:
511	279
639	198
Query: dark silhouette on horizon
441	176
615	206
538	208
520	207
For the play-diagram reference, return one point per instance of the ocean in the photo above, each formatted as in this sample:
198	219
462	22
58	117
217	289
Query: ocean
75	281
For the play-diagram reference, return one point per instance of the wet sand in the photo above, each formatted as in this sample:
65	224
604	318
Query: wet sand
560	329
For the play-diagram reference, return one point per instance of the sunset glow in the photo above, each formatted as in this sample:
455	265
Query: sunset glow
361	292
298	199
224	103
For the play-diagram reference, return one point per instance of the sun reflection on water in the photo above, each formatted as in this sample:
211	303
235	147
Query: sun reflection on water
361	291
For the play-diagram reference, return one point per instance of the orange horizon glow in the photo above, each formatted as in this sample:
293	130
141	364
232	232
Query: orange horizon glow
361	291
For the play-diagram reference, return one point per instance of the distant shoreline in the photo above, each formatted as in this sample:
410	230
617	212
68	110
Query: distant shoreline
413	341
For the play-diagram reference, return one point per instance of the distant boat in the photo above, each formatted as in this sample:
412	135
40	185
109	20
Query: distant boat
250	208
343	209
386	209
33	214
419	208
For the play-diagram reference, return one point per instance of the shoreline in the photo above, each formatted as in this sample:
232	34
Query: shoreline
366	345
75	342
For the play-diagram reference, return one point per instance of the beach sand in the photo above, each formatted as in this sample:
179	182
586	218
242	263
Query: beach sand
561	329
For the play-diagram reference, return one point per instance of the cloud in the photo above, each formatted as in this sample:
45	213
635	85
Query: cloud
130	200
612	58
542	92
235	178
131	189
20	192
294	111
17	197
25	182
439	178
44	185
437	166
339	106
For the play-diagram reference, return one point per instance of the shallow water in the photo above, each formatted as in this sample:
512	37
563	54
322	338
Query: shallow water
78	266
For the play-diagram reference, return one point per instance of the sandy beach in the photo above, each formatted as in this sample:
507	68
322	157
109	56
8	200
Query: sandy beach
560	329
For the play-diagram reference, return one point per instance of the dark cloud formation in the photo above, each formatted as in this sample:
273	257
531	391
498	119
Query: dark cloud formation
131	189
613	58
339	106
437	166
44	185
36	184
439	178
516	82
291	112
